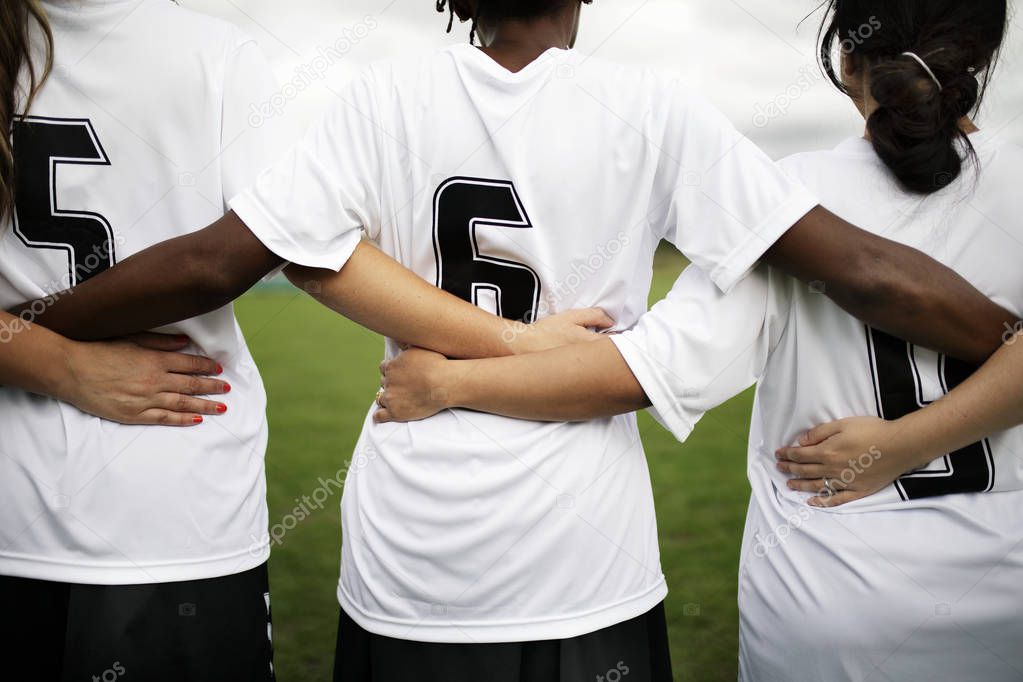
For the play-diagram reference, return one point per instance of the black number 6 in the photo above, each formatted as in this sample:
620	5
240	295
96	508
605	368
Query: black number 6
460	206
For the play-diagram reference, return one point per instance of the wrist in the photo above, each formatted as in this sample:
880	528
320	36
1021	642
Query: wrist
60	375
454	386
518	337
910	442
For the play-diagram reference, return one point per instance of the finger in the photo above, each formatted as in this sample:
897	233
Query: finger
186	384
189	405
836	500
158	417
164	342
592	317
809	454
802	470
384	366
820	433
180	363
382	416
808	485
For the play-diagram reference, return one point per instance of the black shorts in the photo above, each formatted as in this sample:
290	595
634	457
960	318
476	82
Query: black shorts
633	651
215	630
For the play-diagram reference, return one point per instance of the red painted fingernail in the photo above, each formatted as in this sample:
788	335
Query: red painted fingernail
221	408
197	419
220	369
227	387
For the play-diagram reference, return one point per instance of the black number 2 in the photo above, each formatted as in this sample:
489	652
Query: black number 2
460	206
899	390
41	145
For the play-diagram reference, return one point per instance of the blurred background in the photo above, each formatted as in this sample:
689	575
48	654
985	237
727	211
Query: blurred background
757	61
743	54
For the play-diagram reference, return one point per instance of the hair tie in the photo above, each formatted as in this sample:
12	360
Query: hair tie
915	57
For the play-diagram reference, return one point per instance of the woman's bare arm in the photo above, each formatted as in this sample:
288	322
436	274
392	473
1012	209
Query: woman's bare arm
132	382
200	272
891	287
573	383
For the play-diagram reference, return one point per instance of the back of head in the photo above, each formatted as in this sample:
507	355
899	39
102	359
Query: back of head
500	10
928	63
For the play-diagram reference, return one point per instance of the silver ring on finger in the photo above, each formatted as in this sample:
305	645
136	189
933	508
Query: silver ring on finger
828	486
380	395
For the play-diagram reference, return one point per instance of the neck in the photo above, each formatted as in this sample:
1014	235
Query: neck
514	44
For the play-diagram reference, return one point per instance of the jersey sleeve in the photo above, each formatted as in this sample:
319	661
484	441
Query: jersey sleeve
312	206
700	347
729	202
250	142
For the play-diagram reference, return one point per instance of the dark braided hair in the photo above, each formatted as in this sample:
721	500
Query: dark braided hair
916	128
496	10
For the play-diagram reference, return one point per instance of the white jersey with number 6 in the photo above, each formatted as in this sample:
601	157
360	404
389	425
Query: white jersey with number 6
137	137
922	580
527	193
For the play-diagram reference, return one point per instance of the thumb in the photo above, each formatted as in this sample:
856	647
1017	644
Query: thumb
382	416
818	435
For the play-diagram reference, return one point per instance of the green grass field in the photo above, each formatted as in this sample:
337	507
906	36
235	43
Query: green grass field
321	374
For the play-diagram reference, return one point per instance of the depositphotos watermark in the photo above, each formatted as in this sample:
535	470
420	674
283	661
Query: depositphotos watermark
781	534
112	673
563	289
809	76
1013	333
615	674
316	500
308	73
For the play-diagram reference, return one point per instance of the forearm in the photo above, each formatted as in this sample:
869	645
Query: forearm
172	281
891	287
930	306
32	358
574	383
380	294
988	402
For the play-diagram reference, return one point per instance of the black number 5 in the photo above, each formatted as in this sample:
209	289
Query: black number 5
898	385
460	206
40	146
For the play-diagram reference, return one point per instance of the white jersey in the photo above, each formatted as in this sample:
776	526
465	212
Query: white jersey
137	137
932	563
527	193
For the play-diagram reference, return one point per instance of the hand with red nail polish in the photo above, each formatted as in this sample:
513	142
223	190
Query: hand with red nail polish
144	379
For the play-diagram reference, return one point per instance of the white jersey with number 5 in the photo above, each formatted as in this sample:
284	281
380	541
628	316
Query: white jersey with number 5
527	193
922	580
137	137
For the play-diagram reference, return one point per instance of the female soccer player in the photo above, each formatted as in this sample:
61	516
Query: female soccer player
141	549
465	166
920	581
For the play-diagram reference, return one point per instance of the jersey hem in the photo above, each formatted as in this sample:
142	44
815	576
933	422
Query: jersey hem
468	632
744	258
137	574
